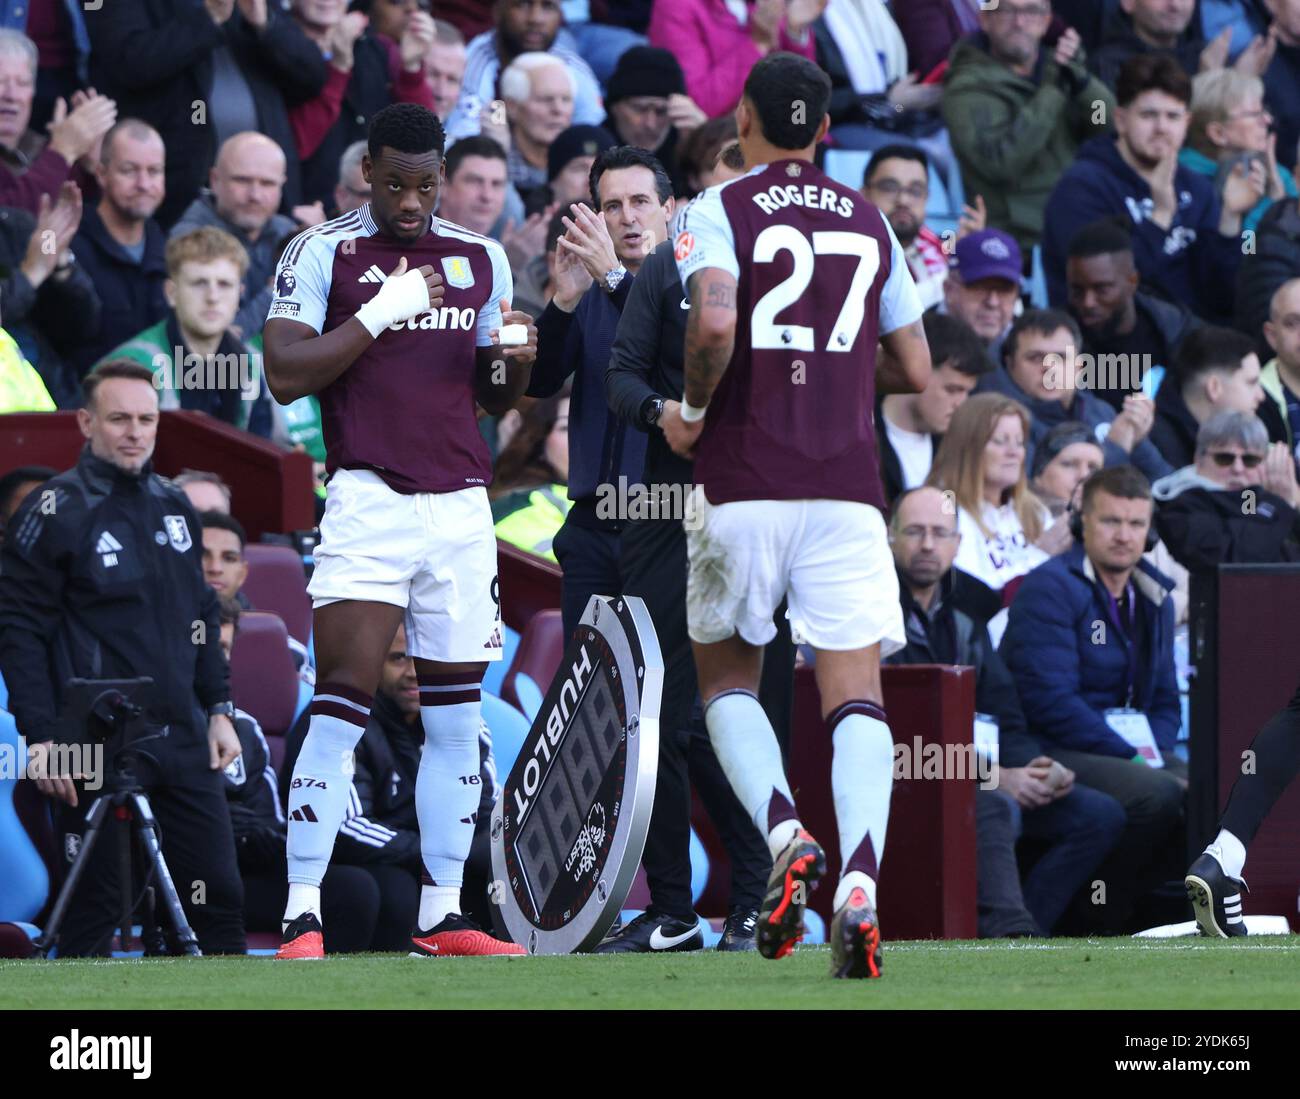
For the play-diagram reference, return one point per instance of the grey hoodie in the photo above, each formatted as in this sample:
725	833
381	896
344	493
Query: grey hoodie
1179	482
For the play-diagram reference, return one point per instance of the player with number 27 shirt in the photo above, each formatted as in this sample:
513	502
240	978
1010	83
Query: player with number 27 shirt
793	279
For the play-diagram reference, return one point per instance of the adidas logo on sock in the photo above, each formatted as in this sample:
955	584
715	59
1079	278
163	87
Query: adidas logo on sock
305	814
373	274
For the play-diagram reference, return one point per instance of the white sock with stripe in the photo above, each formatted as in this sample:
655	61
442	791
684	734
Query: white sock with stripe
862	778
747	750
447	789
319	792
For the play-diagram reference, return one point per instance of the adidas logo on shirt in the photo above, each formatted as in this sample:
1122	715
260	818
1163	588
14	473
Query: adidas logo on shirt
108	548
373	274
304	814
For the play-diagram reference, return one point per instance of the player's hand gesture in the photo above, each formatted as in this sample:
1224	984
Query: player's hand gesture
432	282
680	435
525	352
588	238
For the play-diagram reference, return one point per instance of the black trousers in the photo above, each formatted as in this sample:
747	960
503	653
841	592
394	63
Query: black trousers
653	565
590	560
1277	762
188	799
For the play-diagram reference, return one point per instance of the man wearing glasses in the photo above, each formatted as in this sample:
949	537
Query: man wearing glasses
1237	504
1017	109
897	180
1026	792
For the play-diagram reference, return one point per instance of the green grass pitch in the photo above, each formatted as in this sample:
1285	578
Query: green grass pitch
1059	973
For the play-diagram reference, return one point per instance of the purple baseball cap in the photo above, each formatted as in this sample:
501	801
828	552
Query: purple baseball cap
988	254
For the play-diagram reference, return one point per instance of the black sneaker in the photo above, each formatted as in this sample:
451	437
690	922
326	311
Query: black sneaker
651	933
795	874
738	930
855	938
1216	899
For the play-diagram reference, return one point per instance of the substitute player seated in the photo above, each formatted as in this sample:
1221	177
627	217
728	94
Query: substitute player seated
391	317
792	280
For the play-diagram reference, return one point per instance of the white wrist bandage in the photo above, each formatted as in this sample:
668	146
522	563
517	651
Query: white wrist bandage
692	415
398	300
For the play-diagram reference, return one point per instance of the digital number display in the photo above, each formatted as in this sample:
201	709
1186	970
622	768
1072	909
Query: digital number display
567	828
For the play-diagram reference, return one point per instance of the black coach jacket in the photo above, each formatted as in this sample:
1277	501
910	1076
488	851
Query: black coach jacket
103	579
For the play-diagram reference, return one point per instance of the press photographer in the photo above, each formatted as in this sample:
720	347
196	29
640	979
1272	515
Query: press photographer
103	579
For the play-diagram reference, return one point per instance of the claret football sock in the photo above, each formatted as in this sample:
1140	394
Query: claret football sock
862	777
318	794
750	756
447	787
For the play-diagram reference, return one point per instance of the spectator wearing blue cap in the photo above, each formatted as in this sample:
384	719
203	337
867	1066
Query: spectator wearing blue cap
983	285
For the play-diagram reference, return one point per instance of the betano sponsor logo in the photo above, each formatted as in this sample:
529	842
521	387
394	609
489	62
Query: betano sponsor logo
448	317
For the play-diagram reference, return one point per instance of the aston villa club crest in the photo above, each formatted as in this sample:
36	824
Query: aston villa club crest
793	170
286	282
457	271
178	532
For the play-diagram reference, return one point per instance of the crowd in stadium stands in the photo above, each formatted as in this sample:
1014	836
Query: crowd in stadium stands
1111	277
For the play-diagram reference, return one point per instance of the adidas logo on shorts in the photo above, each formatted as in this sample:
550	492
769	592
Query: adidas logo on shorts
494	642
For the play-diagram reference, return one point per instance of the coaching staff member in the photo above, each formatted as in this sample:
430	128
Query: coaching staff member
103	578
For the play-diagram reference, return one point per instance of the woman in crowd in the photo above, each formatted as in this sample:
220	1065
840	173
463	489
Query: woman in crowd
718	41
1230	125
1005	529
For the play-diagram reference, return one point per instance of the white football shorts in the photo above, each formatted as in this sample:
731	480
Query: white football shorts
829	558
433	553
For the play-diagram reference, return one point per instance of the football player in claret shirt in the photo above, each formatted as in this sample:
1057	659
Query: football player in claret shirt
391	317
780	385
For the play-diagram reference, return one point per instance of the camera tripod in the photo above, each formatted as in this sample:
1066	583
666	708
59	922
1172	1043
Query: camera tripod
129	805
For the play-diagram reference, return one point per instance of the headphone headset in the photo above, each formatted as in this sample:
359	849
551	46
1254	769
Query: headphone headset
1076	529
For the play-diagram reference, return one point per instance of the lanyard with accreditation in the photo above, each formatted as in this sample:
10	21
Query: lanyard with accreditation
1125	721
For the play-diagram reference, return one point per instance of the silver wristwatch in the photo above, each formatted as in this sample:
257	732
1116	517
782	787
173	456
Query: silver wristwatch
613	277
